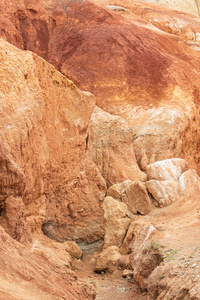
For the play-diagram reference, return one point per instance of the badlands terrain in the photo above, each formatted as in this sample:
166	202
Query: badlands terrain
99	150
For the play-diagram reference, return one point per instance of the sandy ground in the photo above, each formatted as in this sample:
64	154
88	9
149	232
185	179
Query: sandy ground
108	286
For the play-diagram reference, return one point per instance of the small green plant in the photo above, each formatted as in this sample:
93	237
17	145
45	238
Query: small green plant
68	266
171	253
156	245
192	253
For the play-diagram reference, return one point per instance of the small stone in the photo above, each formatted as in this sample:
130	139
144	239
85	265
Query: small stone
194	265
127	273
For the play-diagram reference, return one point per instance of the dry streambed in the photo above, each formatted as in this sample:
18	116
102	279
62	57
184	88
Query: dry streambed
108	286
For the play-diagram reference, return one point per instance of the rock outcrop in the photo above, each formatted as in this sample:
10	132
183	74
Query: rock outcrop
112	148
117	221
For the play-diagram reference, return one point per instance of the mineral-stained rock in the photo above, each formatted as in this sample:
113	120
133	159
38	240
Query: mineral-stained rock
142	79
169	169
115	190
116	221
73	249
107	259
180	26
136	197
164	192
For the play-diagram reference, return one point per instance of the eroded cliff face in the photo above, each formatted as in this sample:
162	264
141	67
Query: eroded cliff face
62	148
44	158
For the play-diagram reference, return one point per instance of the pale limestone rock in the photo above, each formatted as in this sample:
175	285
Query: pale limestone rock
115	190
116	221
136	197
189	183
73	249
168	169
107	259
164	192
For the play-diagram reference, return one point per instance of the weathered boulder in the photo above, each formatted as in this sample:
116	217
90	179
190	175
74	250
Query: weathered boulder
144	257
169	169
164	192
117	220
136	197
144	264
107	259
189	183
138	235
116	190
73	249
